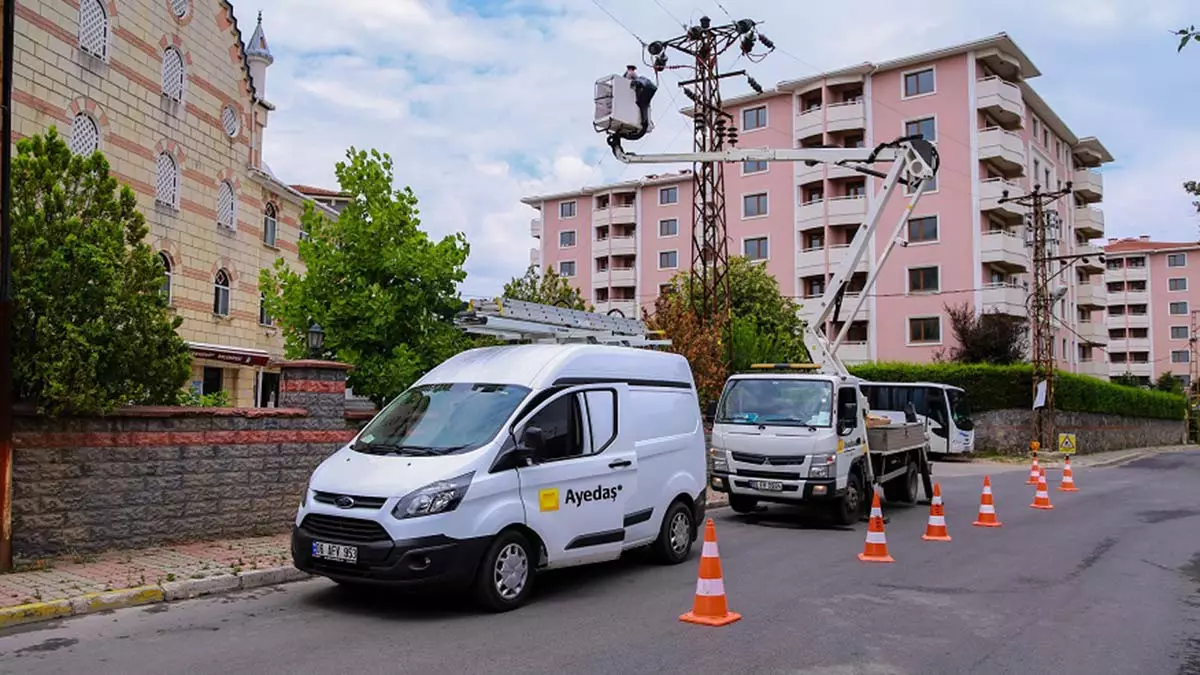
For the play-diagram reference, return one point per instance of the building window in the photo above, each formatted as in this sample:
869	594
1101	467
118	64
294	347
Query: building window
668	227
566	268
923	280
754	205
179	8
167	272
1180	356
668	260
925	329
221	293
226	206
264	318
756	248
923	229
566	239
1179	332
93	28
1176	259
668	195
758	166
166	189
1115	264
214	381
920	82
304	235
566	209
754	118
230	121
172	74
85	135
925	128
1178	308
1177	284
665	289
270	224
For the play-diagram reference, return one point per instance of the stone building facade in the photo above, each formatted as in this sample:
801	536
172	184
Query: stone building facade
169	92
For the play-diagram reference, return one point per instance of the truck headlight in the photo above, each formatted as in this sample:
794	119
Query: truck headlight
440	497
823	466
717	460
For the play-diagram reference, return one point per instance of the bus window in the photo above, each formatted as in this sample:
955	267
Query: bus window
960	410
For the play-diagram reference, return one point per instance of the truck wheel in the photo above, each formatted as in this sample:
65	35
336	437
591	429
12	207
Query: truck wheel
903	490
848	508
675	535
505	574
742	504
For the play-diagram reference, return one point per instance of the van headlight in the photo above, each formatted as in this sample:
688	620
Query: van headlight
717	461
440	497
823	466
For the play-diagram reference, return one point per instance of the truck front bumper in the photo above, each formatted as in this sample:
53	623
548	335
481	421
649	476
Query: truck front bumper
804	490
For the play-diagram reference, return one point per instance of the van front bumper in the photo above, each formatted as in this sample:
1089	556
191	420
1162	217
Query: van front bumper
425	561
793	490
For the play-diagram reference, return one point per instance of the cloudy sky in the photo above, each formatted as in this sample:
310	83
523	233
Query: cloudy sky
481	102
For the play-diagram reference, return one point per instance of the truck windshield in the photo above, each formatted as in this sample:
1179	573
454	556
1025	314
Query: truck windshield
782	402
438	419
960	408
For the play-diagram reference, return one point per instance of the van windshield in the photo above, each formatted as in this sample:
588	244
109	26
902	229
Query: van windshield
782	402
438	419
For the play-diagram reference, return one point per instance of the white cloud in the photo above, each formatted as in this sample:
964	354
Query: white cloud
480	108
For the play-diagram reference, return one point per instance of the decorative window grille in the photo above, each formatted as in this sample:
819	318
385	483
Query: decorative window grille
166	262
172	74
270	224
167	181
85	135
180	8
93	28
226	206
221	293
230	121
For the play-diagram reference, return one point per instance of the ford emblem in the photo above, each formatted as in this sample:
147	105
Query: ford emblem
344	502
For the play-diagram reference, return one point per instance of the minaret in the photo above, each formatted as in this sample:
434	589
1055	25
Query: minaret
259	57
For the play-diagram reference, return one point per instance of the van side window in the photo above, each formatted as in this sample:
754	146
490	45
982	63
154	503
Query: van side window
562	428
847	406
602	414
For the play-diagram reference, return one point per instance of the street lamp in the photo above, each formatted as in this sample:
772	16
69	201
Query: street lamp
316	340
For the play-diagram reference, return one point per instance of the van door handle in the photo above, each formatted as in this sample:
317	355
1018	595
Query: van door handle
619	464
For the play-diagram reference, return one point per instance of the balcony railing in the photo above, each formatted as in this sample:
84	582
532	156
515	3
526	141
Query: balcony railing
1006	250
1089	221
535	228
991	191
1088	185
810	122
1002	99
1006	298
846	116
1004	149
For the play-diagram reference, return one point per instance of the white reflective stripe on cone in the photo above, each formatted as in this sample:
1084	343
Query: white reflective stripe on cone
710	587
987	490
1043	493
987	508
710	549
876	538
876	513
937	520
937	501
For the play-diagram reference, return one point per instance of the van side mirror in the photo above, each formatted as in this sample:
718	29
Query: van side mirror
533	442
710	411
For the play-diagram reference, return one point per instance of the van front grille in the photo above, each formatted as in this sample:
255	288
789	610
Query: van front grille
337	528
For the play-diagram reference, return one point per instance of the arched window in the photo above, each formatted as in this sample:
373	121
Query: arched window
93	28
172	74
180	8
226	205
221	293
167	271
85	135
167	181
270	224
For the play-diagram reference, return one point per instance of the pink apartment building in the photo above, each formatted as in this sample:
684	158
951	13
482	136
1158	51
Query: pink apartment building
619	243
1151	311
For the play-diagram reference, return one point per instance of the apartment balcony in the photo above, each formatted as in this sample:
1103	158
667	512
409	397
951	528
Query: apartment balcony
809	174
1088	185
1093	332
846	116
847	210
616	214
810	215
1127	344
535	228
622	276
535	256
1002	100
1089	221
836	172
1091	295
1137	369
1128	321
627	307
1005	250
991	191
1093	262
1005	298
1003	149
838	253
853	353
810	122
619	245
811	262
1127	274
1094	368
810	307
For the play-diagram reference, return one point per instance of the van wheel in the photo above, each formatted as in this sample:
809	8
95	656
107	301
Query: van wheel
506	573
675	535
742	504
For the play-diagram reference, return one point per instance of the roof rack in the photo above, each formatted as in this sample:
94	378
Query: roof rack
517	320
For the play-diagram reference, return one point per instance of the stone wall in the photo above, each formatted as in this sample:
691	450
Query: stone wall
147	476
1008	431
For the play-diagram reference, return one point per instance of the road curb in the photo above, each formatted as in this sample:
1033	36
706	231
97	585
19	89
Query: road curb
170	591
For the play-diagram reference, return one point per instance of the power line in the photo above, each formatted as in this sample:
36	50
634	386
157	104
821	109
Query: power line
670	14
619	23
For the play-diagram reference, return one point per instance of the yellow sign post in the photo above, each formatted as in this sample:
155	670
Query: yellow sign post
1067	444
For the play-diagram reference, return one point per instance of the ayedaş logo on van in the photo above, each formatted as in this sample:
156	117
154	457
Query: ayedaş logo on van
599	493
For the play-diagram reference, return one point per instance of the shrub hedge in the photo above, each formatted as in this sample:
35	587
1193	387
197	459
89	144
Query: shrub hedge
1011	387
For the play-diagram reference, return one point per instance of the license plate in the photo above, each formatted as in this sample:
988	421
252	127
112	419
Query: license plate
767	485
338	552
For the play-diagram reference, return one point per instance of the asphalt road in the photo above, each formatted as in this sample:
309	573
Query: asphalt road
1107	582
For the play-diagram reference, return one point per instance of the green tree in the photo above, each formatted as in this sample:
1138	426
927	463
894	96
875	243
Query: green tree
383	291
1169	383
90	328
547	288
991	337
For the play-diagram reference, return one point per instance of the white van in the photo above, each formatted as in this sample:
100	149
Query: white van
503	461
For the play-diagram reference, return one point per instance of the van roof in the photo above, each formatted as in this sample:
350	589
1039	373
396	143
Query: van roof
542	365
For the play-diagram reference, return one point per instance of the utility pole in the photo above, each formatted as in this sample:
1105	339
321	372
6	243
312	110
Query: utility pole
1042	235
6	303
708	283
1193	386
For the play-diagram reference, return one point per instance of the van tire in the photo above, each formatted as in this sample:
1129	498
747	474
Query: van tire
509	550
676	535
742	504
848	509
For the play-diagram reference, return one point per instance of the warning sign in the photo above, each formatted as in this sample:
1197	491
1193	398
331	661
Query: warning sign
1067	444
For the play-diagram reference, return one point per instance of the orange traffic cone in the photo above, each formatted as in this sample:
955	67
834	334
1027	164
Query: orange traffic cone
710	608
1068	479
876	546
987	510
1034	470
936	529
1041	498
